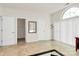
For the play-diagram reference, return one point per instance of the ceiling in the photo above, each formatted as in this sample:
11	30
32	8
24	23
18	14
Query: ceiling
39	7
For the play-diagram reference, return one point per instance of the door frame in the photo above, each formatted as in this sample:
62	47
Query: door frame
25	27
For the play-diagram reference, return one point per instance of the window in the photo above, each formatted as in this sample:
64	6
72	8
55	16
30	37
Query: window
72	12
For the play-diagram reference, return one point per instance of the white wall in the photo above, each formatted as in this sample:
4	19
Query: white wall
43	29
43	22
1	11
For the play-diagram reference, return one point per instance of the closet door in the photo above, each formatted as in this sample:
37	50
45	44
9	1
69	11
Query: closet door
0	30
9	30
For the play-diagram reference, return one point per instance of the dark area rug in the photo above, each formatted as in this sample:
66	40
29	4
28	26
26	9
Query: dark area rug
52	52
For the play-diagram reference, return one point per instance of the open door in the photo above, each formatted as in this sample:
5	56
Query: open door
21	31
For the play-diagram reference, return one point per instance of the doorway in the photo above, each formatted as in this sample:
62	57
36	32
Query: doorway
21	31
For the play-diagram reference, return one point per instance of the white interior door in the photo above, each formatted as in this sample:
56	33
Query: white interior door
9	30
0	31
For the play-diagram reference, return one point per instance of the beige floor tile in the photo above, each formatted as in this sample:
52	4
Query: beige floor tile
36	47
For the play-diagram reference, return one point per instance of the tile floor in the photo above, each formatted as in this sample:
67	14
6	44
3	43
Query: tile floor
36	47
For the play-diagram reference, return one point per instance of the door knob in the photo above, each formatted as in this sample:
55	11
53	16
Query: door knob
13	32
